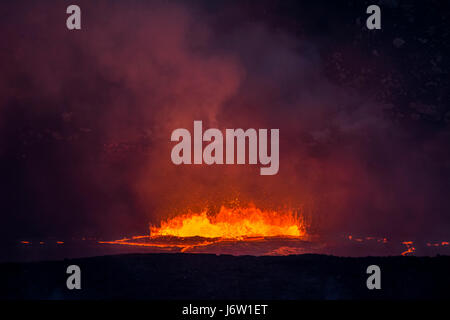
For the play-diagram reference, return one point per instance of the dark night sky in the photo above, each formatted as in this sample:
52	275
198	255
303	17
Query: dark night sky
86	116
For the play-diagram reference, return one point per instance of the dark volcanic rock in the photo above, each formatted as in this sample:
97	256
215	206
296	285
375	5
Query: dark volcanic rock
199	276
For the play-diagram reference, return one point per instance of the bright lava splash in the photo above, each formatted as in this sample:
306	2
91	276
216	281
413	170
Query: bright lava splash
233	230
234	223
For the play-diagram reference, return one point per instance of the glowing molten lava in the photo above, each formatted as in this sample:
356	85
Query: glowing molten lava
233	223
410	248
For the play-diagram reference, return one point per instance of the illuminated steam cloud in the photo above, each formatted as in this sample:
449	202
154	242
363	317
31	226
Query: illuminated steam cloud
86	119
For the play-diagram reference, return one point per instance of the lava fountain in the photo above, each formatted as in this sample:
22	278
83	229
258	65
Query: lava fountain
234	223
234	230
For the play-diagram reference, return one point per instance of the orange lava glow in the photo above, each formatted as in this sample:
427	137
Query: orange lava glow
437	244
233	223
410	248
382	240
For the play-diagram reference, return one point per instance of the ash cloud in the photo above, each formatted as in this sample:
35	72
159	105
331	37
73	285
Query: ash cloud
86	119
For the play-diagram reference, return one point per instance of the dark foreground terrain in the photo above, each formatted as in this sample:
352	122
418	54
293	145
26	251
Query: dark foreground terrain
202	276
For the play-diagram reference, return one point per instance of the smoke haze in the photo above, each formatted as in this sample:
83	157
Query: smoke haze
86	118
